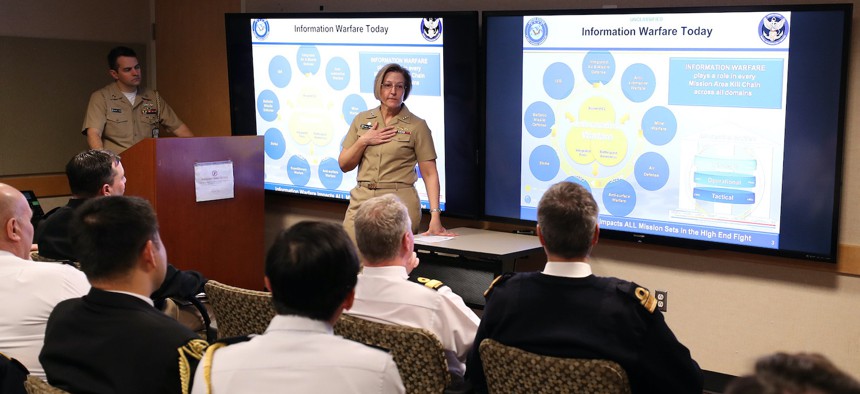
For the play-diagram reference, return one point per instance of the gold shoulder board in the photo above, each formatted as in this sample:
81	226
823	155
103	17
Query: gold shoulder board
431	283
493	283
646	299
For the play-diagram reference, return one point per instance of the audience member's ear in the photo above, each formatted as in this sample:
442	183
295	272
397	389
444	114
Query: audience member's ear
147	256
349	300
9	228
105	190
406	241
539	234
13	231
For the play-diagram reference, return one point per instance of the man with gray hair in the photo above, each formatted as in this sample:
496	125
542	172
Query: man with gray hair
566	311
383	232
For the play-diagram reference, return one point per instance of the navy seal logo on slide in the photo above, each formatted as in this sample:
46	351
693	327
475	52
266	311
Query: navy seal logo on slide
260	28
431	28
536	31
773	29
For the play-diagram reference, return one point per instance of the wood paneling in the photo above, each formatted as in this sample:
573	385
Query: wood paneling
223	239
191	58
49	185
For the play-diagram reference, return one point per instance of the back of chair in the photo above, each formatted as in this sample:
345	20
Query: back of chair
508	369
239	311
35	385
35	256
418	354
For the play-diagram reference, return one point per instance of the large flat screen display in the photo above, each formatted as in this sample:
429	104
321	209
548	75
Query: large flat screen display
711	128
300	79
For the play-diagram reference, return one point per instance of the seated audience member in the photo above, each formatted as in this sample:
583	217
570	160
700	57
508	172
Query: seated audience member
96	173
311	269
383	232
29	290
12	376
566	311
802	373
113	340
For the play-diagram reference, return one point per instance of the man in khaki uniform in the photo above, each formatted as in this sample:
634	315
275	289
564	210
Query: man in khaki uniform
122	113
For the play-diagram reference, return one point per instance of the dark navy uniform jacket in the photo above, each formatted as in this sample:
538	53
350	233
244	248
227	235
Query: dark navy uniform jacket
110	342
590	317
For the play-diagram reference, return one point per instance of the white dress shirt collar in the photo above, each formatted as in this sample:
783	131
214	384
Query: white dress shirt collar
146	299
393	271
298	323
567	269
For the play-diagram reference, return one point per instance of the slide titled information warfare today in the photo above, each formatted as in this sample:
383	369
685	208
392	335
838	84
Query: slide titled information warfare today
313	76
675	123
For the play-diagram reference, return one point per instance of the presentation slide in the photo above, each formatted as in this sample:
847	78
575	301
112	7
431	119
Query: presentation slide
313	76
675	122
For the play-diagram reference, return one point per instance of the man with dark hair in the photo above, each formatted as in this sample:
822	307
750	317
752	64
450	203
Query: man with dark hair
801	373
29	290
566	311
383	232
311	269
97	173
122	114
113	340
91	173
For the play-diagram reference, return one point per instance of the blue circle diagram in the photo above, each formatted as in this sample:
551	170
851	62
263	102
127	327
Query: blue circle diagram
558	80
659	125
544	163
280	71
579	181
298	170
308	59
598	66
275	146
539	119
652	171
638	82
353	105
619	198
268	105
330	174
337	73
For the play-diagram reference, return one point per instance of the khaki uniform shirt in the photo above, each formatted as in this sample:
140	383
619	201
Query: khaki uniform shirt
393	161
121	124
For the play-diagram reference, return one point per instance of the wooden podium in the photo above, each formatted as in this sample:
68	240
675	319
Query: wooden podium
222	239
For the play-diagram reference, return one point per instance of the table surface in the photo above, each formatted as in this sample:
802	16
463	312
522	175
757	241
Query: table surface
485	242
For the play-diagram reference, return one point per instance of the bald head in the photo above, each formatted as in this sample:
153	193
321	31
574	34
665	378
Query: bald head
15	215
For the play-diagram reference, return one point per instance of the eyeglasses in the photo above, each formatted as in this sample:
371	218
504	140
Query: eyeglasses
389	86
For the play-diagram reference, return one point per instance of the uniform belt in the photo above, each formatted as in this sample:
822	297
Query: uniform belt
383	185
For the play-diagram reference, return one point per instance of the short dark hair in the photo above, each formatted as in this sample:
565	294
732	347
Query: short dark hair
115	53
379	226
312	267
392	68
89	170
567	216
802	372
109	233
